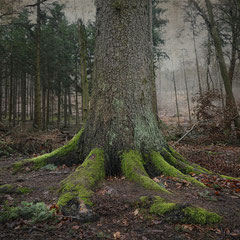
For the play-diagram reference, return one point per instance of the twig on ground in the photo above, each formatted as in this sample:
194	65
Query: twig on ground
185	135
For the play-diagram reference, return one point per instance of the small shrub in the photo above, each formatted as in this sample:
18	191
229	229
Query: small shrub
35	212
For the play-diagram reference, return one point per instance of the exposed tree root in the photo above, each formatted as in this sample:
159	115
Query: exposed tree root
195	168
230	178
77	188
168	170
179	213
133	169
86	176
63	155
179	162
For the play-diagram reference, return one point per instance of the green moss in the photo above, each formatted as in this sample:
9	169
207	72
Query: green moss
81	183
177	155
23	190
168	170
6	188
41	161
132	167
144	199
186	166
200	216
193	215
172	157
10	189
161	208
230	178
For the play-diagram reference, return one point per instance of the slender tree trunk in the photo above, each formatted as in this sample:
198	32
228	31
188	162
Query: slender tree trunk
27	96
76	105
176	96
208	63
6	96
83	64
1	97
187	92
44	89
69	105
221	91
69	100
19	97
197	62
52	106
65	107
31	99
233	56
11	91
59	106
14	101
37	90
48	107
23	97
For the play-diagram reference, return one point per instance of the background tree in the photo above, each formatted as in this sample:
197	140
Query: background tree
232	114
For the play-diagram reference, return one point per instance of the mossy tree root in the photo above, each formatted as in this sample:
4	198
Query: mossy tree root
193	167
168	170
77	188
179	162
133	169
59	156
179	213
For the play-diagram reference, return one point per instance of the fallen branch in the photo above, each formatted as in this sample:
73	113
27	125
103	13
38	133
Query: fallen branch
185	134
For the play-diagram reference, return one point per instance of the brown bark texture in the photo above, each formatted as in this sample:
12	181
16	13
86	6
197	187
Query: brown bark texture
121	115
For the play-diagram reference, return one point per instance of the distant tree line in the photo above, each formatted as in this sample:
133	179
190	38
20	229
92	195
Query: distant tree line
59	72
46	64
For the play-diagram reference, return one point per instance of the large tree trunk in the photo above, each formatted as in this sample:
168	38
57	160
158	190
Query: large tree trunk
121	115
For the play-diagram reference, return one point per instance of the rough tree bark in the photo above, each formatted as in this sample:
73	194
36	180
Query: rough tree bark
121	134
83	70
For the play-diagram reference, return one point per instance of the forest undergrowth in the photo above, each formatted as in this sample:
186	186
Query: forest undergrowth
29	197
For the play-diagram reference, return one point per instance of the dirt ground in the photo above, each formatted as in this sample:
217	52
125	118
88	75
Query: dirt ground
115	201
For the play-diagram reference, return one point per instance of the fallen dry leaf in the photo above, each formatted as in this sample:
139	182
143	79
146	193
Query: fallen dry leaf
136	212
117	235
76	227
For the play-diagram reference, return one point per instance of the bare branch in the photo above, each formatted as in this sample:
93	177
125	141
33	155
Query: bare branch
201	11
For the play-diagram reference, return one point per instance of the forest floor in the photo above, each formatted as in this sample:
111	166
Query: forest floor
115	199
